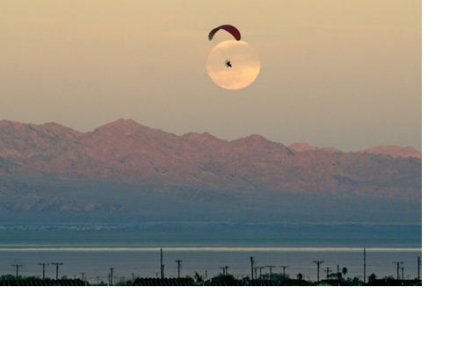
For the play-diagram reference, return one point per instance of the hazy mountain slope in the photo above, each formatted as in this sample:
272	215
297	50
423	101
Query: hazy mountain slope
52	200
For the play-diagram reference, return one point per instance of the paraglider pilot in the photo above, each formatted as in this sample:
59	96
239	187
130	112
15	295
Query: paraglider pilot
228	63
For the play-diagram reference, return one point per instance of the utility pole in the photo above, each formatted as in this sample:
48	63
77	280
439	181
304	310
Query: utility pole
398	263
284	271
364	265
57	264
224	270
161	264
111	277
327	270
318	263
179	267
270	271
260	271
43	269
419	264
251	265
17	268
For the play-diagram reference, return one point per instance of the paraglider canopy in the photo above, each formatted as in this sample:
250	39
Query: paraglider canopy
229	28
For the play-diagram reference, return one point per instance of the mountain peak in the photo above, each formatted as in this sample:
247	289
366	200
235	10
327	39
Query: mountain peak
253	140
121	124
201	137
124	127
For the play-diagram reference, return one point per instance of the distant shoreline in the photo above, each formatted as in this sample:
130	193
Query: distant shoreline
211	249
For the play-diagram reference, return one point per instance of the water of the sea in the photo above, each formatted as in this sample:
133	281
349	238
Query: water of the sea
89	251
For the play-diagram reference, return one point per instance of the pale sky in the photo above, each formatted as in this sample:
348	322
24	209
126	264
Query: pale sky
340	73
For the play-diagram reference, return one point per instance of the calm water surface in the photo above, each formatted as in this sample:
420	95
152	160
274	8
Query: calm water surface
134	250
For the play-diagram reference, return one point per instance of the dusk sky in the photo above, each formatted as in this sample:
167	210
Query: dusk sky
346	74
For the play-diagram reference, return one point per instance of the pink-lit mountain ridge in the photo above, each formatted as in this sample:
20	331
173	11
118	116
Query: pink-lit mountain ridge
124	172
125	151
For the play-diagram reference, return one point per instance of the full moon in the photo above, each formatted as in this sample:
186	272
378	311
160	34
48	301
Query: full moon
233	64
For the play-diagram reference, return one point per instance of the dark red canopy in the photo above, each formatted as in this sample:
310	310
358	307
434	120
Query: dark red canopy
229	28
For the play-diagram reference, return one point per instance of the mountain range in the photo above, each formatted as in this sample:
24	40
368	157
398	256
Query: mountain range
126	170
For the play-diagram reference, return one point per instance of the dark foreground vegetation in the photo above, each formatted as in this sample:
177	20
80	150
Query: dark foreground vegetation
220	280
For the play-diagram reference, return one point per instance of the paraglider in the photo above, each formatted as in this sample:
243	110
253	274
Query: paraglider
232	64
229	28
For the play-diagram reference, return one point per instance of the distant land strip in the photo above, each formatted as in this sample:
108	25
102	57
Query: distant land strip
211	249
